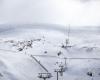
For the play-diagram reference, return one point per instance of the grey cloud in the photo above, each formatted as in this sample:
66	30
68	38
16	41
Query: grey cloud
50	11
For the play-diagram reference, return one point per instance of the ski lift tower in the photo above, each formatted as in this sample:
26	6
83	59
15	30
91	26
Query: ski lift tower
60	70
44	76
68	32
68	36
65	61
57	71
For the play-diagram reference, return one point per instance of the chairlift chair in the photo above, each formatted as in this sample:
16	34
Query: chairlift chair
45	75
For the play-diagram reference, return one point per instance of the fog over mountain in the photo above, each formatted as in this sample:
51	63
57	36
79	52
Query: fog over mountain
56	39
63	12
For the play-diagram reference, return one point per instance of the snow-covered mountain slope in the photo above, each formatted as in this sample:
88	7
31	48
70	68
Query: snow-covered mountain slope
23	51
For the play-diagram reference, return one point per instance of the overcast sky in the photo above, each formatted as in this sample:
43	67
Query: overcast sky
65	12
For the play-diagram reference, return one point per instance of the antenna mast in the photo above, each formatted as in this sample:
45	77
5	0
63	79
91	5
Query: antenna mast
68	36
68	32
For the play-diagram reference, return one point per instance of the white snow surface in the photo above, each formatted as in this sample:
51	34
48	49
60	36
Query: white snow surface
19	65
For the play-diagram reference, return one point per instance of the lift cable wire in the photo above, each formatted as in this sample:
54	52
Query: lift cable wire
67	57
54	56
39	63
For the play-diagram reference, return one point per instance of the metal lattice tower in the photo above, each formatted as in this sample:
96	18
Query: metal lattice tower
60	70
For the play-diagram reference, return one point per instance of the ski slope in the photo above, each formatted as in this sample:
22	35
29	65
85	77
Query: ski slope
19	43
